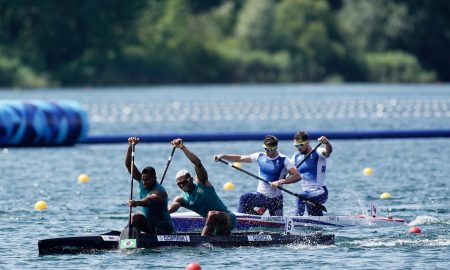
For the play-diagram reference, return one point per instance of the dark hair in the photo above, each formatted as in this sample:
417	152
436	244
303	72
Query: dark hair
301	135
271	140
149	170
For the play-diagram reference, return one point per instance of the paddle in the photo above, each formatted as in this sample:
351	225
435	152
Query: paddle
167	164
307	156
129	235
321	207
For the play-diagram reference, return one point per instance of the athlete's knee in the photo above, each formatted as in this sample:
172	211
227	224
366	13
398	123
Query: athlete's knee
314	211
214	217
245	198
300	208
133	218
213	214
278	212
136	218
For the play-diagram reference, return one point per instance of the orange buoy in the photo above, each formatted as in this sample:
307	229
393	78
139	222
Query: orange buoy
193	266
415	230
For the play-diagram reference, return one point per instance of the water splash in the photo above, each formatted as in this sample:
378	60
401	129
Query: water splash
381	242
428	220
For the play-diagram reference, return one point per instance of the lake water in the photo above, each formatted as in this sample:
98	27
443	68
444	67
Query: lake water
414	171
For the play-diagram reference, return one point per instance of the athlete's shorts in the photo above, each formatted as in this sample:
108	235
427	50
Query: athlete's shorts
163	228
319	195
249	201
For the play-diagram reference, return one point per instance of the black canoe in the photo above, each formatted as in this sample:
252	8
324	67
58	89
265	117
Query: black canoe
110	241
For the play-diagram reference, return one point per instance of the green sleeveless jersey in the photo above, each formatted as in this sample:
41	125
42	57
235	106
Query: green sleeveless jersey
203	199
157	213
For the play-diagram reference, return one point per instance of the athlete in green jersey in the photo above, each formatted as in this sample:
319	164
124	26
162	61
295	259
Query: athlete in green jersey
155	219
200	196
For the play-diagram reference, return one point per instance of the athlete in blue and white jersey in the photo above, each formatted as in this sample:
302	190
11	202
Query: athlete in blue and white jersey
312	172
273	166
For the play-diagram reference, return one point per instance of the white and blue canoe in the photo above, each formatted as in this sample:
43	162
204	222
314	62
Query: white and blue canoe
190	221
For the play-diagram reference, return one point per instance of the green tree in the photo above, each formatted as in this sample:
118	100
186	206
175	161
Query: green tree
72	40
13	73
400	67
418	28
309	31
171	48
115	42
254	25
430	38
375	25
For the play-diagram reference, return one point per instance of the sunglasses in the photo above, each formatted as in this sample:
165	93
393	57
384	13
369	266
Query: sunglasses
298	145
183	183
270	148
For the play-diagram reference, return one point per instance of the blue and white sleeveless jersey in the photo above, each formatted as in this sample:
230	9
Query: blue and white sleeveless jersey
271	169
312	170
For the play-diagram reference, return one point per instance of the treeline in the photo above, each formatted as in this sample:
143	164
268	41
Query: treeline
140	42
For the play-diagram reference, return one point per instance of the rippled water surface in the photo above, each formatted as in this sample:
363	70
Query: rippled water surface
414	171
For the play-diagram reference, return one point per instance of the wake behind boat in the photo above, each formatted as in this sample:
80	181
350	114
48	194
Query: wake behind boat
110	241
190	221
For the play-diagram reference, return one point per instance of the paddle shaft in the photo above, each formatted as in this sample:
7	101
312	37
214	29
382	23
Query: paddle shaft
280	188
131	183
306	157
167	164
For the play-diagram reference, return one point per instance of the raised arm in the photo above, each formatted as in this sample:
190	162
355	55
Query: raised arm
136	173
328	146
202	174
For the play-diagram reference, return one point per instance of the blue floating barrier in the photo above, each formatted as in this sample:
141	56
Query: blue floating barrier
42	123
259	136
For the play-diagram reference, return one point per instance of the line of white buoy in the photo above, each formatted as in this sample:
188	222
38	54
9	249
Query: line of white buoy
174	111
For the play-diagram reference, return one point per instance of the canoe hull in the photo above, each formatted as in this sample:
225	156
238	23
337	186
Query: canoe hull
110	241
79	244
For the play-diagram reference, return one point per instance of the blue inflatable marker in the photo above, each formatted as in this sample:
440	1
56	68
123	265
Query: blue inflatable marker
42	123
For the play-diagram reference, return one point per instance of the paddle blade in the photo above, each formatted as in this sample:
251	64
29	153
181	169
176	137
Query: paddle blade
321	207
316	204
128	237
311	202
